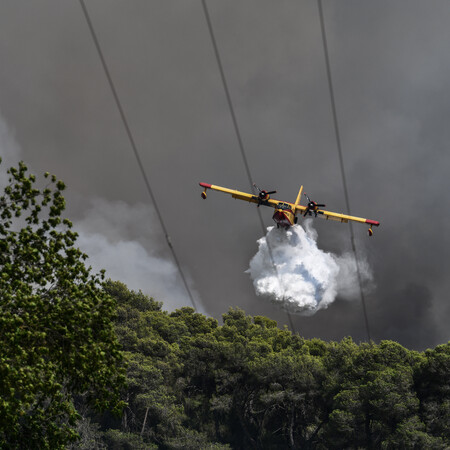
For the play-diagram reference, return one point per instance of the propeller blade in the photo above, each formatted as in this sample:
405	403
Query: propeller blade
272	192
309	200
321	204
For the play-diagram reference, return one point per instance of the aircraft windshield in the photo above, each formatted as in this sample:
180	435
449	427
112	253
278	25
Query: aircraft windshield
283	206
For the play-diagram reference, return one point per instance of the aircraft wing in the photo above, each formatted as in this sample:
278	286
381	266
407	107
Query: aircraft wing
298	208
328	215
241	195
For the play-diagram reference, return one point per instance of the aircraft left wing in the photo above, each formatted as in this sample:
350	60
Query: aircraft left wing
239	195
344	217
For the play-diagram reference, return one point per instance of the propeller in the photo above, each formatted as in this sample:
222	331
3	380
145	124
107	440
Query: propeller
312	206
263	194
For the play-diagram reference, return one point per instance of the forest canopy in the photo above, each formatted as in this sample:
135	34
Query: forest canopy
193	383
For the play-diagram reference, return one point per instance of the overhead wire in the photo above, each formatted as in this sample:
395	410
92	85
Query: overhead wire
240	141
341	163
136	152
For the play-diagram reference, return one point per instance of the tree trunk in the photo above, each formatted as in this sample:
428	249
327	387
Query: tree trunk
124	420
125	417
145	420
368	431
291	431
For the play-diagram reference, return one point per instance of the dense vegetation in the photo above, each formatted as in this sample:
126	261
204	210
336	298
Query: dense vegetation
190	382
57	338
248	384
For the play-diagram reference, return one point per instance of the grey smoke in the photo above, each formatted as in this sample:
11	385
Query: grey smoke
391	75
113	234
116	237
9	151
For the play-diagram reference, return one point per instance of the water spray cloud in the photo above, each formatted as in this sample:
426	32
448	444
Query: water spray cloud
306	278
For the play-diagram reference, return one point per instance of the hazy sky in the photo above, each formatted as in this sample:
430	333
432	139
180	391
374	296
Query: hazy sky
391	70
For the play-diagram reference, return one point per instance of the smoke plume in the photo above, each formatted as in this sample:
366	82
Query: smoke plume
293	272
123	240
9	151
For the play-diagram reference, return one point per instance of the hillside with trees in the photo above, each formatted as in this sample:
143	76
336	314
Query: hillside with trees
88	364
193	383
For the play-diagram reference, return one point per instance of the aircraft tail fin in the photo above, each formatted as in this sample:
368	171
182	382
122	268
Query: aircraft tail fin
299	197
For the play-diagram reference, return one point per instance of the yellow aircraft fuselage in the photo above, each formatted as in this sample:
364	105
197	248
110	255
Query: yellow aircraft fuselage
283	215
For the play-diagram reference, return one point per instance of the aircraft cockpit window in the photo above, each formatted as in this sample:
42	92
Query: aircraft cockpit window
283	206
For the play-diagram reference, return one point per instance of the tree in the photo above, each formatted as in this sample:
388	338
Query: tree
56	321
433	387
248	384
154	416
374	403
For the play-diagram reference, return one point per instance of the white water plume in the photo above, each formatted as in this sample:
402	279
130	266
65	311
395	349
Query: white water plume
305	278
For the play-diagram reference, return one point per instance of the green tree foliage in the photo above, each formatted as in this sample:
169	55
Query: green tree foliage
372	396
248	384
151	342
254	385
433	387
56	321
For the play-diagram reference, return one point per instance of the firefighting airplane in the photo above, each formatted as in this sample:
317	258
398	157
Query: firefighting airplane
285	214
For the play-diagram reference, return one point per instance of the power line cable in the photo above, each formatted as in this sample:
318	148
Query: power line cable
239	139
341	161
135	150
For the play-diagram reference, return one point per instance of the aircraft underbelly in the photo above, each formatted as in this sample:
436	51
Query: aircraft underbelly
282	219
